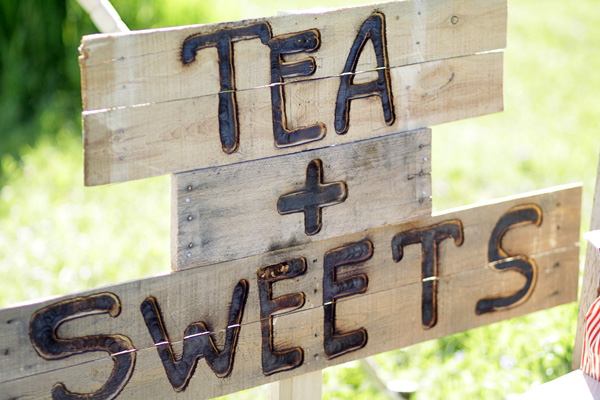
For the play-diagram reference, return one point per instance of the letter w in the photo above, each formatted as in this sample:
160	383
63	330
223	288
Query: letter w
197	341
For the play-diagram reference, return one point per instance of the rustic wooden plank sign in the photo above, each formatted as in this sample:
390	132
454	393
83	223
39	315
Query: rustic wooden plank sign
288	312
302	227
250	208
179	99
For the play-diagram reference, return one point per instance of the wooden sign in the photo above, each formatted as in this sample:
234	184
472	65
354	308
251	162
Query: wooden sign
250	208
178	99
206	332
306	209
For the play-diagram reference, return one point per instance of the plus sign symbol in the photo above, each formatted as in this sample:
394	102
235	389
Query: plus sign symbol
313	197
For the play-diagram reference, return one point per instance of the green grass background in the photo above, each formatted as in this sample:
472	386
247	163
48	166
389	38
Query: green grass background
58	237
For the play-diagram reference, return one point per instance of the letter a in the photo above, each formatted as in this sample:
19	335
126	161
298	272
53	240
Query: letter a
374	29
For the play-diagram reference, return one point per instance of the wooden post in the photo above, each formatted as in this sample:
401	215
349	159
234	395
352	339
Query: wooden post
302	387
104	15
591	274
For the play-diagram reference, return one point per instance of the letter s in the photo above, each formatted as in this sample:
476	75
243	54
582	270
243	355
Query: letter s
42	332
501	261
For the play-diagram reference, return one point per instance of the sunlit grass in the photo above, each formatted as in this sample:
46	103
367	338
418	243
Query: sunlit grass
57	236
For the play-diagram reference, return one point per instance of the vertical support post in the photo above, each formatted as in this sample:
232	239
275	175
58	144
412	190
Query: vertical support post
104	16
591	275
304	387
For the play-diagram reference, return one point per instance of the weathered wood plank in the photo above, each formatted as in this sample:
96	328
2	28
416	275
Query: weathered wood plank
145	66
390	309
144	141
388	318
591	279
230	212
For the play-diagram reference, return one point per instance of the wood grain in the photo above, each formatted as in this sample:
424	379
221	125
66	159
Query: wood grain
145	66
183	135
231	212
389	310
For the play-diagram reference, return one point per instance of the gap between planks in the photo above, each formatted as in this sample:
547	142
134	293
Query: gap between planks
285	84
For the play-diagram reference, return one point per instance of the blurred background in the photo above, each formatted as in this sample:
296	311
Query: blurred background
58	237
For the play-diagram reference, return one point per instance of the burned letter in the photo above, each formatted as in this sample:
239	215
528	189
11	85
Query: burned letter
274	361
223	40
42	332
501	261
429	237
305	41
372	29
197	341
336	343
